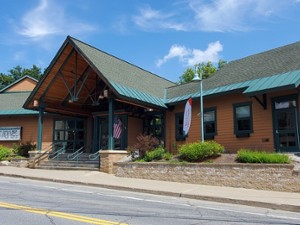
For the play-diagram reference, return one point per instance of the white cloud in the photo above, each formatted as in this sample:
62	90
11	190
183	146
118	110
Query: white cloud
190	57
49	19
150	19
210	16
210	54
175	51
231	15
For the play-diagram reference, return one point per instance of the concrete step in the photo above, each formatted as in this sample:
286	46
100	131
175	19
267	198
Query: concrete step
69	165
66	168
83	157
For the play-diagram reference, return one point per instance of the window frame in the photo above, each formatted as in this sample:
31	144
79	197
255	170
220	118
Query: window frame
76	140
179	137
242	133
210	136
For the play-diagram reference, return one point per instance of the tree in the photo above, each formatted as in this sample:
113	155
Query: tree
207	70
187	76
5	80
18	72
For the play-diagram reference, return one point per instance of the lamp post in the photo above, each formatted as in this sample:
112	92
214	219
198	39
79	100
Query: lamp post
199	78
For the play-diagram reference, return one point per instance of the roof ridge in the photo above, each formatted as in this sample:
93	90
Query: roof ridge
131	64
264	52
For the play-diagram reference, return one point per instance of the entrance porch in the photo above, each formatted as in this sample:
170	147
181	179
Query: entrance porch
98	101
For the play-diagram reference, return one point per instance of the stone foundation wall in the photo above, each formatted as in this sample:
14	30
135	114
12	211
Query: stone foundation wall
253	176
108	158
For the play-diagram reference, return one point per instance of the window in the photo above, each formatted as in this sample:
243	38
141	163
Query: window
154	124
70	132
210	125
243	119
179	135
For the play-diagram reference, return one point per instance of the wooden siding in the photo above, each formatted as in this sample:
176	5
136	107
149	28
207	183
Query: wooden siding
24	85
29	131
261	138
135	127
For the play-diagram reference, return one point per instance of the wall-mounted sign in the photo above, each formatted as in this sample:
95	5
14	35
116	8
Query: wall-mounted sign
10	133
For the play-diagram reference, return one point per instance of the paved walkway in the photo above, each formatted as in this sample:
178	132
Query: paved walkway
267	199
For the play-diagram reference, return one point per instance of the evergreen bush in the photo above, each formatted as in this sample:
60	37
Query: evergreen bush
199	151
156	154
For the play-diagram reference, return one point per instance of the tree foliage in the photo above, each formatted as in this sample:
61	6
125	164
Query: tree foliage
206	69
17	72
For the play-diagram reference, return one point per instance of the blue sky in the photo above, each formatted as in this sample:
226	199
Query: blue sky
162	36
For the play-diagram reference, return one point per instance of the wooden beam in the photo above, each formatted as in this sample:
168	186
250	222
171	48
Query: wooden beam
56	75
262	102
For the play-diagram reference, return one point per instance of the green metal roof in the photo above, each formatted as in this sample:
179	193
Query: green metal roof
17	112
138	95
275	61
11	103
123	73
260	73
290	79
287	80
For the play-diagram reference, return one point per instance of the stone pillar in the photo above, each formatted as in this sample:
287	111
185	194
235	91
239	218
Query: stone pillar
109	157
35	157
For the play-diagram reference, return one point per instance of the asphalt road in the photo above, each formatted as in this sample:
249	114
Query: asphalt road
27	202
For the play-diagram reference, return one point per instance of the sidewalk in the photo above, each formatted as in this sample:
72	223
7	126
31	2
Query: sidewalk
267	199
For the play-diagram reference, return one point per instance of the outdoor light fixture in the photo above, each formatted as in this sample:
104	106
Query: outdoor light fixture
199	78
101	96
105	93
36	103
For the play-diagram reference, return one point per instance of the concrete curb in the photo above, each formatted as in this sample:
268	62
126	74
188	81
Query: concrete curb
285	207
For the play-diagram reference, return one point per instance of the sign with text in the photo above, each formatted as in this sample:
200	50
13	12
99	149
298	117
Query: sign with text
10	133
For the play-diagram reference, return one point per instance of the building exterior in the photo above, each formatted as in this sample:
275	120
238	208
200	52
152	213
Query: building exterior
19	125
103	102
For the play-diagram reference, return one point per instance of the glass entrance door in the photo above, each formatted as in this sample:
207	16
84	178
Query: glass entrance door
119	132
286	125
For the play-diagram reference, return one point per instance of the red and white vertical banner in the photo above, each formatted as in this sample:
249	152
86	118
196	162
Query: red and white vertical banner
187	116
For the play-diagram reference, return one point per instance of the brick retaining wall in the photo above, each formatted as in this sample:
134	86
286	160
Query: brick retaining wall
254	176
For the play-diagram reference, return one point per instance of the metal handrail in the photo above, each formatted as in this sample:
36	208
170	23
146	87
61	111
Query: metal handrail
42	156
56	154
95	155
75	154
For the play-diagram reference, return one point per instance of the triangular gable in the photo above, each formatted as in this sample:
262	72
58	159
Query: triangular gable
25	83
77	63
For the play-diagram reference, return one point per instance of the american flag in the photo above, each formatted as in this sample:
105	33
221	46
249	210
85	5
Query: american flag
117	128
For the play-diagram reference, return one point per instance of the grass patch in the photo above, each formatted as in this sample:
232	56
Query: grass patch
248	156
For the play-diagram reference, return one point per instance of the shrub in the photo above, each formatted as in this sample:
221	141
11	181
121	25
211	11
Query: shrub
145	143
248	156
4	152
168	156
23	148
199	151
156	154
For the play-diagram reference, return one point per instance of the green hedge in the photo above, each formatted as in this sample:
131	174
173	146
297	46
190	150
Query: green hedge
4	152
156	154
198	151
248	156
